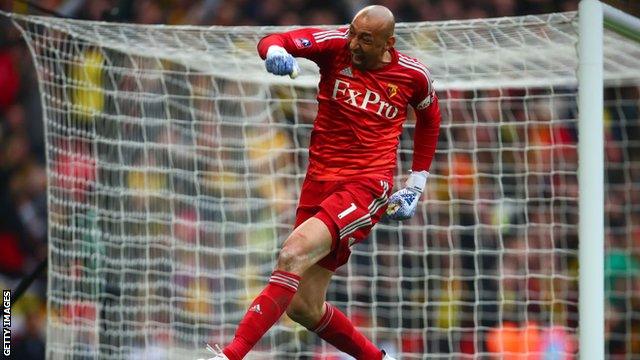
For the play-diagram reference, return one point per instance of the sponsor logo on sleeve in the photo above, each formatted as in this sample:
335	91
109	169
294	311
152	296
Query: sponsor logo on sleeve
425	103
302	43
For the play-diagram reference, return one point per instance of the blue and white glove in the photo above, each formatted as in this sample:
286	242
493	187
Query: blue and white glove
403	203
280	62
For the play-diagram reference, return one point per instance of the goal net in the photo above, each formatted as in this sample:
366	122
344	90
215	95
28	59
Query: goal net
175	162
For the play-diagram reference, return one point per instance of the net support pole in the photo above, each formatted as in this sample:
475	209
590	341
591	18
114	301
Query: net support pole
591	179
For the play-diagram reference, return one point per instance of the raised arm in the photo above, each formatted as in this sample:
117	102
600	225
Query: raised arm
317	45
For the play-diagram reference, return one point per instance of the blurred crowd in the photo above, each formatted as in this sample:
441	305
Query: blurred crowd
288	12
23	210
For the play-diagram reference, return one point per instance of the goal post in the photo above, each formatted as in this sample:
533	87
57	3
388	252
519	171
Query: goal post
174	165
594	17
591	178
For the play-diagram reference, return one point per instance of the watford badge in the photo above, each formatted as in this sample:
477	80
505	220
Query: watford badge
392	90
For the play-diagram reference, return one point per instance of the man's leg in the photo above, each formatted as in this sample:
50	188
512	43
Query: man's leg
307	244
309	309
307	306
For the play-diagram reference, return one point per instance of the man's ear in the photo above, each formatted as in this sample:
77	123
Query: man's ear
391	41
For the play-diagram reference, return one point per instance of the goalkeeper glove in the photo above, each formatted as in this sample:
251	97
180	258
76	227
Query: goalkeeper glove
403	203
280	62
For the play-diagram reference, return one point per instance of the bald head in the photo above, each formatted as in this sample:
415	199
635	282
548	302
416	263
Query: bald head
371	37
379	15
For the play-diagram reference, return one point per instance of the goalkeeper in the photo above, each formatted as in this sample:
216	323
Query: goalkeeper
365	87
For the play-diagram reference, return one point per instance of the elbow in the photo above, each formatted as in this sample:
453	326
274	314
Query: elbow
265	43
261	48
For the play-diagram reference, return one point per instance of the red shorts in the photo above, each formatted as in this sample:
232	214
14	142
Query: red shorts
349	208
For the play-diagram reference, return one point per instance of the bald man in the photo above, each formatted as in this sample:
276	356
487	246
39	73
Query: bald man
364	92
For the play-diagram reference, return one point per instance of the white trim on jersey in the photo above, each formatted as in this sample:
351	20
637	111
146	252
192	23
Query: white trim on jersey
413	64
328	35
421	70
321	34
331	37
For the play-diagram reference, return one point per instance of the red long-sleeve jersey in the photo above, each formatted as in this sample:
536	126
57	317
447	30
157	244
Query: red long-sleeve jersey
360	112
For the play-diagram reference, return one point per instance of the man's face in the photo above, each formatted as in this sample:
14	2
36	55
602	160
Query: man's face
367	42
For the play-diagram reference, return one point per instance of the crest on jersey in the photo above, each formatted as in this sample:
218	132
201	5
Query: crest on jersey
302	43
392	90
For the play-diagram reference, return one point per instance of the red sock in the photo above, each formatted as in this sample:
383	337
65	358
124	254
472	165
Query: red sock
336	329
265	310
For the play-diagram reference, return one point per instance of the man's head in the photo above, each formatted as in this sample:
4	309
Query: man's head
371	36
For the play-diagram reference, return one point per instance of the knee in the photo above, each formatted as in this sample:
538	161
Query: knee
305	313
292	258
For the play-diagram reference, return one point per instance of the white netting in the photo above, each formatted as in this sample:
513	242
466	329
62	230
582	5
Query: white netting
175	163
